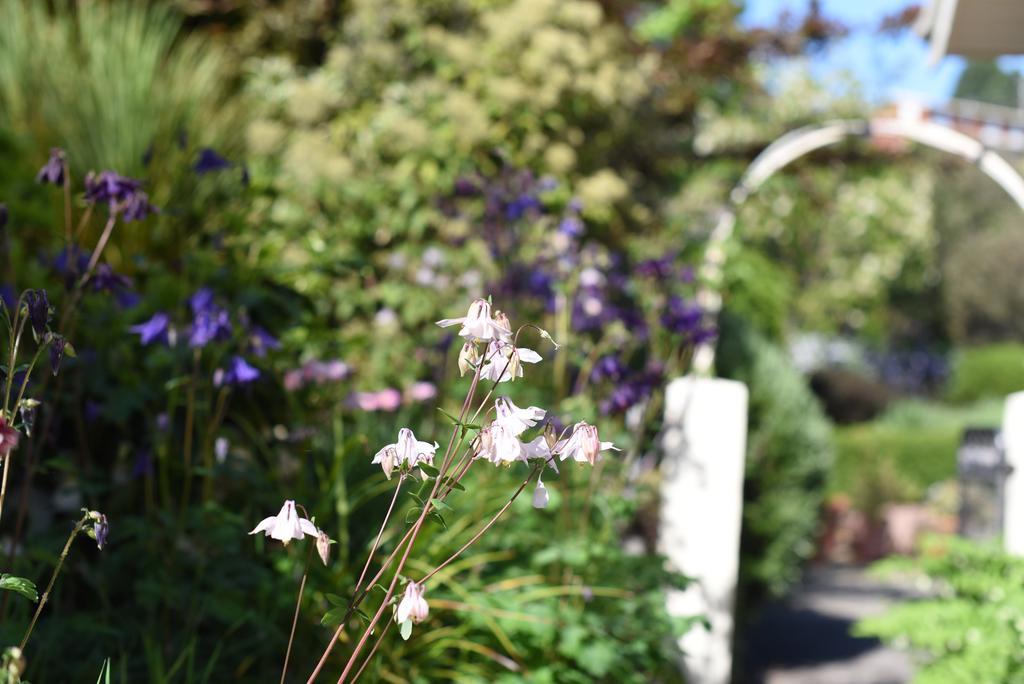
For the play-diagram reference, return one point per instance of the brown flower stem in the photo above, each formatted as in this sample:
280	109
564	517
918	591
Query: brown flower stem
79	526
380	534
373	650
476	537
298	606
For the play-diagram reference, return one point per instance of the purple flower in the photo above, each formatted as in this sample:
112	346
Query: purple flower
57	347
8	296
154	330
608	367
119	193
143	463
53	170
659	269
210	161
163	422
38	310
100	529
571	226
687	319
238	372
260	341
210	322
106	279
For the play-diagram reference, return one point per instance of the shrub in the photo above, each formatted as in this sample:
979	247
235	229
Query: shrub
789	451
848	396
972	628
984	299
991	371
918	457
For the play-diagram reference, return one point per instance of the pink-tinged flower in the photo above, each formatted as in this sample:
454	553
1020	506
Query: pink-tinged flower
498	445
514	419
367	401
478	324
538	448
286	525
504	361
540	495
408	452
583	445
323	546
413	606
421	391
8	438
389	399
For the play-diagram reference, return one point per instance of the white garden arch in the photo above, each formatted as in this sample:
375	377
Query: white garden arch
803	141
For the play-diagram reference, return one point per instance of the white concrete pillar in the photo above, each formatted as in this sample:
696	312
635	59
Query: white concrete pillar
701	513
1013	501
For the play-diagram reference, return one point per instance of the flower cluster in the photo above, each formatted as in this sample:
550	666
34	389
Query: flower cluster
210	323
121	194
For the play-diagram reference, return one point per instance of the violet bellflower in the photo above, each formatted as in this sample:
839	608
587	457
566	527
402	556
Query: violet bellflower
53	171
156	329
238	372
209	161
100	529
210	322
38	306
260	341
119	193
286	525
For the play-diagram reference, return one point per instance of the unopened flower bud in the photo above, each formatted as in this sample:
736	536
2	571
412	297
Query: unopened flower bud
469	357
540	495
323	545
100	529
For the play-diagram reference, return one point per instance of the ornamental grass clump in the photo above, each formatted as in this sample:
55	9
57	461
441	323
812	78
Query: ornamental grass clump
487	429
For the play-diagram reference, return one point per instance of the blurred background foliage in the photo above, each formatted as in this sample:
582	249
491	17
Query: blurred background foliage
377	166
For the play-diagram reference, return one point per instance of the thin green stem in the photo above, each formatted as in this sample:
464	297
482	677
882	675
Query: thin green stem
79	526
298	606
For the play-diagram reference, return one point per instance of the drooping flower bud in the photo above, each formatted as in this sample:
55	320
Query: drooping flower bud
8	438
413	606
540	495
100	528
323	546
469	357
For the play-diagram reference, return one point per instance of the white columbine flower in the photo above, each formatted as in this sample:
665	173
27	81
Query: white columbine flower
286	525
514	419
499	445
407	452
540	495
583	445
413	606
478	324
538	448
468	358
504	361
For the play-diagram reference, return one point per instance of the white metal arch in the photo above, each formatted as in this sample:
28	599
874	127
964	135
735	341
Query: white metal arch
802	141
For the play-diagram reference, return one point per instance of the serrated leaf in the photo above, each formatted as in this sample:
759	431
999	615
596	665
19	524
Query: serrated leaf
333	617
406	630
25	587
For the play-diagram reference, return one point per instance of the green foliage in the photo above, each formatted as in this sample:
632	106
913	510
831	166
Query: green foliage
972	628
19	585
106	81
983	298
984	81
789	452
992	371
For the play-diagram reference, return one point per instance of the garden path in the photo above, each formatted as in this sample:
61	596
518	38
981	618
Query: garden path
805	638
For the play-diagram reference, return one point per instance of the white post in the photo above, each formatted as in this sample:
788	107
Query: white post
701	513
1013	501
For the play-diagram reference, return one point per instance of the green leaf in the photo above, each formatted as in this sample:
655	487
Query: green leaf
412	514
439	518
336	600
455	421
406	630
430	470
333	617
21	585
454	484
441	505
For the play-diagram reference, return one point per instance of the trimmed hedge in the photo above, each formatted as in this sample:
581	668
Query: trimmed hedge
990	371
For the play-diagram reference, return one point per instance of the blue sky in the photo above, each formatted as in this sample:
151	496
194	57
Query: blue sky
885	66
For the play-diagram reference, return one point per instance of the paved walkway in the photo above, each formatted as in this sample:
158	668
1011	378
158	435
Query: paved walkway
805	638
